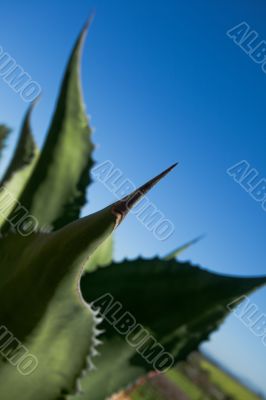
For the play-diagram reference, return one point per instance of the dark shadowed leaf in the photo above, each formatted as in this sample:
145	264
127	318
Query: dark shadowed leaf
178	303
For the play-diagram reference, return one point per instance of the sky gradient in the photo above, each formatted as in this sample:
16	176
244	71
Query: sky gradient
163	83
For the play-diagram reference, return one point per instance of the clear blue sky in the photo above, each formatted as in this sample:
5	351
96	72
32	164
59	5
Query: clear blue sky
163	83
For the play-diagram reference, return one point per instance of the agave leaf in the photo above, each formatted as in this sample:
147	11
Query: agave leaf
41	303
184	247
4	132
21	164
56	189
179	304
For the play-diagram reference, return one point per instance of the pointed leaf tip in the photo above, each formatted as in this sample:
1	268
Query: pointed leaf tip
121	208
81	38
30	110
89	20
197	239
183	247
35	101
86	26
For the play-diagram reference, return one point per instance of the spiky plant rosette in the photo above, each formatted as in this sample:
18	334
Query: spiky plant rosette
51	277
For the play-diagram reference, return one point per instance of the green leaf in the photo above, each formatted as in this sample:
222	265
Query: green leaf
4	132
21	165
179	304
41	304
56	190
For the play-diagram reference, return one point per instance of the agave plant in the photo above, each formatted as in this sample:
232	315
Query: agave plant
50	277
